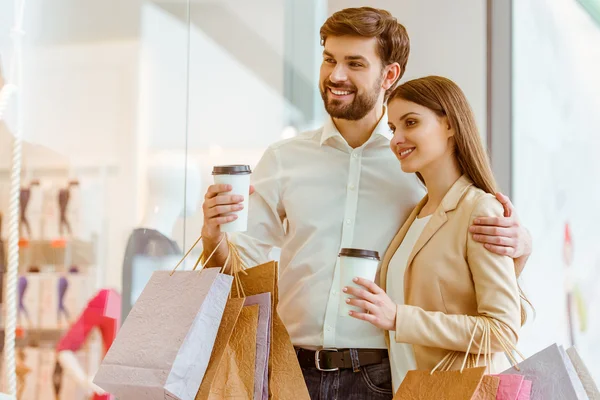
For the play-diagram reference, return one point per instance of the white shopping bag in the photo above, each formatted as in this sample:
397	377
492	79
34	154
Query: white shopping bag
163	348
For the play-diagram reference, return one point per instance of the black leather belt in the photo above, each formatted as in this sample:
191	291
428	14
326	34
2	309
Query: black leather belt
336	359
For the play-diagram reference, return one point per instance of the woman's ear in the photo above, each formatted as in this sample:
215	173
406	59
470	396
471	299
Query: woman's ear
449	128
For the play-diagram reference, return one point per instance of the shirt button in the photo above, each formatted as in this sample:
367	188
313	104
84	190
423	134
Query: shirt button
355	155
328	328
334	292
348	221
352	187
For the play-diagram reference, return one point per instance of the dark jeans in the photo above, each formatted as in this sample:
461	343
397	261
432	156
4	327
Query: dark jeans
371	382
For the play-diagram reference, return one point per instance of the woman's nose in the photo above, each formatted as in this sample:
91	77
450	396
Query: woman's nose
398	138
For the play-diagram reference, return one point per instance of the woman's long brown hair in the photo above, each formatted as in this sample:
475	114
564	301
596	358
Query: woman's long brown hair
446	99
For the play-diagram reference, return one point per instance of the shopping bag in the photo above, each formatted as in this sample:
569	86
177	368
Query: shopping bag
286	381
468	383
525	391
488	389
584	374
263	343
238	364
235	375
442	385
572	372
285	378
230	316
164	346
552	376
513	387
509	387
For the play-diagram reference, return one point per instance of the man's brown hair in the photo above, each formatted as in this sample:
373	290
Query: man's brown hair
394	44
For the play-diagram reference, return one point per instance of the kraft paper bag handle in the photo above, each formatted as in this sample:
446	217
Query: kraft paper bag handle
199	258
508	347
446	363
489	328
233	258
237	267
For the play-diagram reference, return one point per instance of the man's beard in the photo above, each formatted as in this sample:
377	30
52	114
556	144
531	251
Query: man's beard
360	106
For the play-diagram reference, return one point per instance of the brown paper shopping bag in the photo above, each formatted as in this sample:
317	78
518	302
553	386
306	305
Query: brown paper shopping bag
235	376
442	385
238	363
468	383
286	381
230	316
488	389
285	378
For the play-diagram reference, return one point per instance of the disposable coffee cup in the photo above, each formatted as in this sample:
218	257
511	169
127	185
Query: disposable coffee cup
355	263
238	176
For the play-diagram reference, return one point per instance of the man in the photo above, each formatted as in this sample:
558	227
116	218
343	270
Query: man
339	186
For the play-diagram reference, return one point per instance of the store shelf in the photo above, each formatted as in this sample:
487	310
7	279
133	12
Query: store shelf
35	337
58	252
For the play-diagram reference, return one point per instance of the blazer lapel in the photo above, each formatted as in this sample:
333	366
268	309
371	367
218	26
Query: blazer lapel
438	219
381	278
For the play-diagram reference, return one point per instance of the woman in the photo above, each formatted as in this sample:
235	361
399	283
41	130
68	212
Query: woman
438	280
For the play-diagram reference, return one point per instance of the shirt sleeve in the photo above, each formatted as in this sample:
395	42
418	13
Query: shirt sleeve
497	298
266	214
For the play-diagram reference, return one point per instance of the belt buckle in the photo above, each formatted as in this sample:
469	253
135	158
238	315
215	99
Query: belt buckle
318	361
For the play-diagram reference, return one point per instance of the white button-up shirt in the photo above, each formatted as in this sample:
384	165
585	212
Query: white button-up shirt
315	195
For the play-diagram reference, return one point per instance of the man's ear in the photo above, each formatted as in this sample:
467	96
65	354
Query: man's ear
392	74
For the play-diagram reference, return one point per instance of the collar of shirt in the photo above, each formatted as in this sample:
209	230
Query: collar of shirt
382	129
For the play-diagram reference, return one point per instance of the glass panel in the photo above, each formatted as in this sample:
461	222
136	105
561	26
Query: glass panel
102	200
556	59
126	108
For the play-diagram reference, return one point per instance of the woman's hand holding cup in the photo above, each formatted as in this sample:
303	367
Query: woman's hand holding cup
378	308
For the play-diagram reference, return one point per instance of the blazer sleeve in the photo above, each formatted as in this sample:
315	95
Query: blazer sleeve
497	298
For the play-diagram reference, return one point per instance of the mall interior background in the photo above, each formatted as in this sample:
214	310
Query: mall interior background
120	94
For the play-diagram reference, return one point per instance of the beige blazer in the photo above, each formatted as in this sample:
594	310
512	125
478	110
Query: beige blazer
450	279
